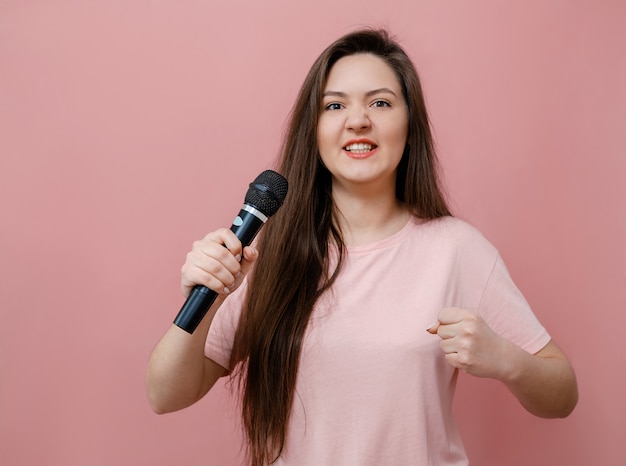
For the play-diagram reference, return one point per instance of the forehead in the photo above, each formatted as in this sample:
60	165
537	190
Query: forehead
361	71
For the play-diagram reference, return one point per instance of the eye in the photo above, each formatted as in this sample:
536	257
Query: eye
333	106
381	103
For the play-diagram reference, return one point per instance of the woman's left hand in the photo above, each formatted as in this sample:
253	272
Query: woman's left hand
469	343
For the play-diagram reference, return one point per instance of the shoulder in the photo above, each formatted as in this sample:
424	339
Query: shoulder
456	241
451	229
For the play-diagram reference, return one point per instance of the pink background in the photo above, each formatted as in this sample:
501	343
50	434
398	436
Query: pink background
128	129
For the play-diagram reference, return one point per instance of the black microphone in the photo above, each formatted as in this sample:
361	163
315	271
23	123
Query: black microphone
264	197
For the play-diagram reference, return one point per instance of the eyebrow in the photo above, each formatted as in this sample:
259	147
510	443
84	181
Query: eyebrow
382	90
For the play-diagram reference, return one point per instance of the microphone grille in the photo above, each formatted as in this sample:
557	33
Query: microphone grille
267	192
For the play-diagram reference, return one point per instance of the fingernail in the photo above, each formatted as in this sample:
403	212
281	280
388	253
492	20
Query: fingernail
226	290
238	257
433	328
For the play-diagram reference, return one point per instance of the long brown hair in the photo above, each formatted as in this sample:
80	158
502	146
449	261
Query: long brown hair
293	270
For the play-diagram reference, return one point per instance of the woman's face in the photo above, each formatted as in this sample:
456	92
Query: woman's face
363	123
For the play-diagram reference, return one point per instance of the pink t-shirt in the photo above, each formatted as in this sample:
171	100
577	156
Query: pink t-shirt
373	386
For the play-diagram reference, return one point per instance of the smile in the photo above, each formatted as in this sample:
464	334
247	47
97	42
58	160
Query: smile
359	148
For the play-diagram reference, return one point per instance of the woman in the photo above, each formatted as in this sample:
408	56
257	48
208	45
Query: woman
326	336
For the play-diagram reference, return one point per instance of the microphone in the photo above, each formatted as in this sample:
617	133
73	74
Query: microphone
264	197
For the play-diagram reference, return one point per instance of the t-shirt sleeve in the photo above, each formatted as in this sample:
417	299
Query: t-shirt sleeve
219	343
507	312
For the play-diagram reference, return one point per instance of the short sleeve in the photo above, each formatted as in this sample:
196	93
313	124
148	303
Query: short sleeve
219	343
507	312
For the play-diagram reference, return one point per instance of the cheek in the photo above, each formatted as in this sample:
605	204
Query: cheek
325	138
399	134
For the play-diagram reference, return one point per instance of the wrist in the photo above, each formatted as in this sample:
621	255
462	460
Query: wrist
513	360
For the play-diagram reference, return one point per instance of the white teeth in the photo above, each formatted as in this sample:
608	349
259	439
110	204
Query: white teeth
359	147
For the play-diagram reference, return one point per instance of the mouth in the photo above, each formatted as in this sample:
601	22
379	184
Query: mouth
359	148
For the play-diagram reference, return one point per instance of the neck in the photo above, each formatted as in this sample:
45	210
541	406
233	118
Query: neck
368	217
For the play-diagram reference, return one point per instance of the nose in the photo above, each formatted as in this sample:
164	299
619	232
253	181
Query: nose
357	119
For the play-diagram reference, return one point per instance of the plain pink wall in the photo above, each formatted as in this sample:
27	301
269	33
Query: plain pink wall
130	128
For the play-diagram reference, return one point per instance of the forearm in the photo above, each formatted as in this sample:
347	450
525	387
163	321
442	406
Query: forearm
544	383
178	373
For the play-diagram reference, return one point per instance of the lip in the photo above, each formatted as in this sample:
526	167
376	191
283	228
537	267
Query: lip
360	141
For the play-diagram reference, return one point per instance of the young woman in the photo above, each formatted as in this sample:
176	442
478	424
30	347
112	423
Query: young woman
365	296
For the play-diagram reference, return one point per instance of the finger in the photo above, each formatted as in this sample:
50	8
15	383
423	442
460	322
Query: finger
447	331
225	238
453	360
212	275
206	252
449	345
250	255
209	264
233	244
452	315
433	329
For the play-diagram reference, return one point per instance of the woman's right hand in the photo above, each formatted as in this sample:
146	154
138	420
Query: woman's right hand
178	372
215	262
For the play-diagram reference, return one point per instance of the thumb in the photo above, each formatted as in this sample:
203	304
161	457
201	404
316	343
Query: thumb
250	255
433	329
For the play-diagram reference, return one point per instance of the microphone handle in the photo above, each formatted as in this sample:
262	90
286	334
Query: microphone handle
245	226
